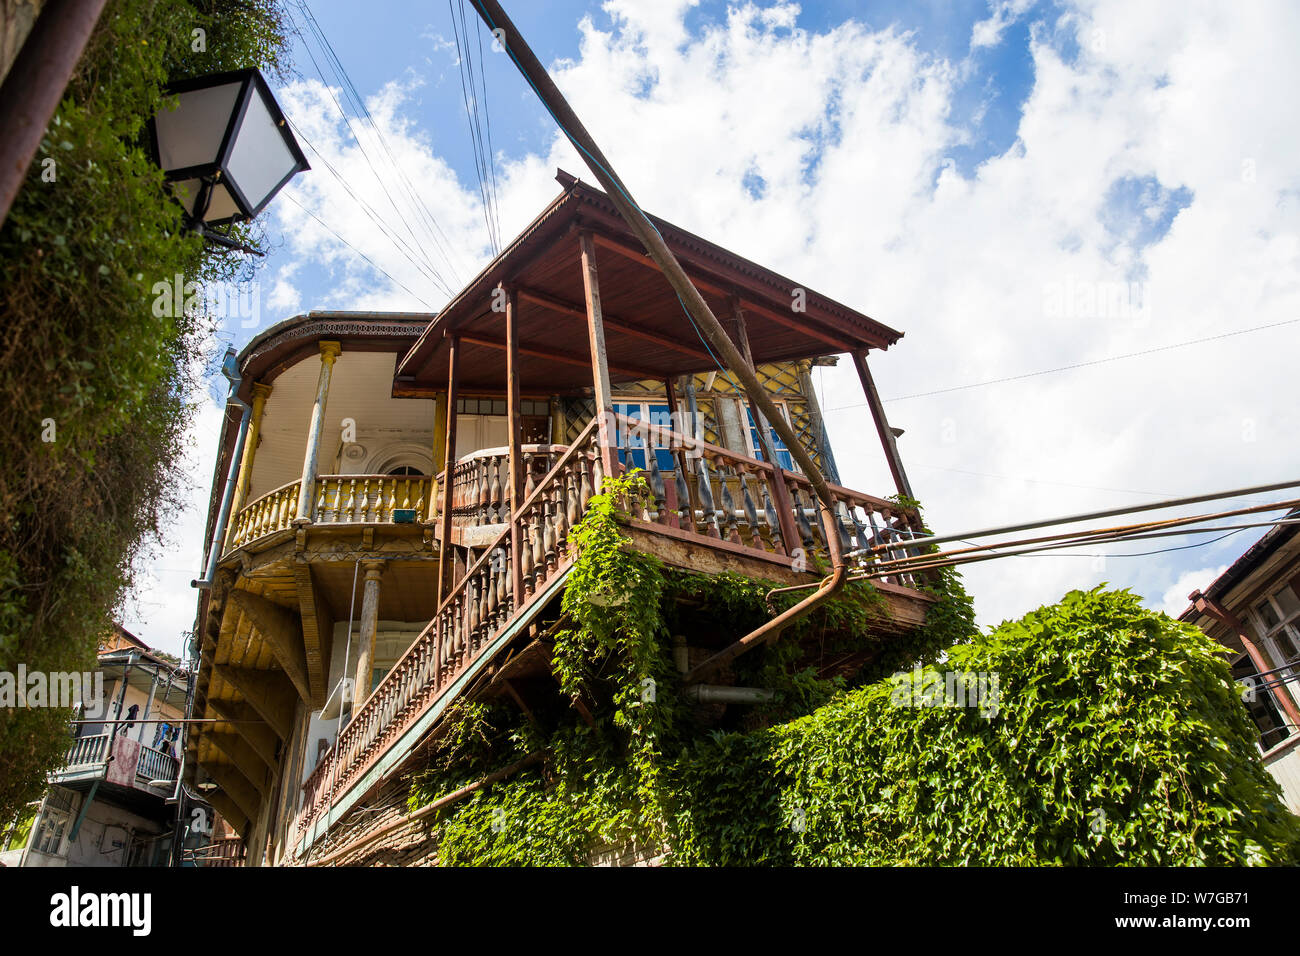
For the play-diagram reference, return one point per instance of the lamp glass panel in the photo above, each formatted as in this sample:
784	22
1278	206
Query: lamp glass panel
260	157
191	134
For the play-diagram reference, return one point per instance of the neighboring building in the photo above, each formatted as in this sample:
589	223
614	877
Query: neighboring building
400	504
110	803
1253	609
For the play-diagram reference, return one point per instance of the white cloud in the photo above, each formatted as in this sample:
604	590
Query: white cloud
842	137
1174	601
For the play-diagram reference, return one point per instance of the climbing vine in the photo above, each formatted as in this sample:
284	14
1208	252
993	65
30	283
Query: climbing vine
1094	732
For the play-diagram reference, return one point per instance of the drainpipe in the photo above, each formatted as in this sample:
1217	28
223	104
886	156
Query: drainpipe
230	369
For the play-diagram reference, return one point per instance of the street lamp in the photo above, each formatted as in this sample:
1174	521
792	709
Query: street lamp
226	149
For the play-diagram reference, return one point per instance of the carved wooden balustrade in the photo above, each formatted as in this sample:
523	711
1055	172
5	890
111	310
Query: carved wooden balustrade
270	513
478	608
716	493
339	499
369	499
480	487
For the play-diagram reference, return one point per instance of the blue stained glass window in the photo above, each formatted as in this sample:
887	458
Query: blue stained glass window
783	456
631	449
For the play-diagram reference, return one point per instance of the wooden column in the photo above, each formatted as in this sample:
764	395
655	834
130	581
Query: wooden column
449	462
599	357
260	394
369	627
1217	611
882	424
516	482
439	450
329	351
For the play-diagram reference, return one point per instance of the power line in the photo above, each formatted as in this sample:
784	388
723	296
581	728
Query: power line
1076	365
356	250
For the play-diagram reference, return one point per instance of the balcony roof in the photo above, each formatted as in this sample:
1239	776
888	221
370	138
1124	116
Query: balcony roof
648	333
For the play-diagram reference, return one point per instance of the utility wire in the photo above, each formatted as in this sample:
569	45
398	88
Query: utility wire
357	251
1076	365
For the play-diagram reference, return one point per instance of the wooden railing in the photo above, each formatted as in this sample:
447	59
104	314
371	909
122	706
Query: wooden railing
718	496
337	499
268	514
716	493
156	765
478	608
480	487
223	852
369	499
86	752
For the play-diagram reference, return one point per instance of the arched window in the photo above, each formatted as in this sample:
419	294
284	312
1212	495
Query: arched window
406	470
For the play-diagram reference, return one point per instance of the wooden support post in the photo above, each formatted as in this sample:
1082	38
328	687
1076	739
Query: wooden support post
1217	611
516	482
439	450
369	628
882	424
260	394
449	464
599	359
281	629
329	351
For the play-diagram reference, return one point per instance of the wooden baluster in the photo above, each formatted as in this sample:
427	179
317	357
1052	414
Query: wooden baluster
773	520
538	512
562	524
751	512
684	510
842	526
729	509
503	588
406	494
392	499
585	485
530	482
349	508
706	500
319	516
496	504
549	541
572	496
363	502
657	491
422	486
801	521
526	554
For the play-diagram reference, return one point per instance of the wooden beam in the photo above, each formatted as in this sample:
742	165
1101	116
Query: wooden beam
317	630
515	491
599	363
248	762
564	358
806	326
229	811
563	306
243	718
282	630
453	399
887	439
237	787
268	692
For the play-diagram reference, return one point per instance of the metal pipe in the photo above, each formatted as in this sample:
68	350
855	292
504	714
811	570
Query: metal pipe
692	302
715	694
230	369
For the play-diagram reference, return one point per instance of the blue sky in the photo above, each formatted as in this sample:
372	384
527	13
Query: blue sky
1016	185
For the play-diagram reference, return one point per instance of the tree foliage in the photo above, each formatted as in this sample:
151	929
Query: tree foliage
95	386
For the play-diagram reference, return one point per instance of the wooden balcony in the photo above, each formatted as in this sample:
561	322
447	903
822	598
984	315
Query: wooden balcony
118	760
338	500
720	508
